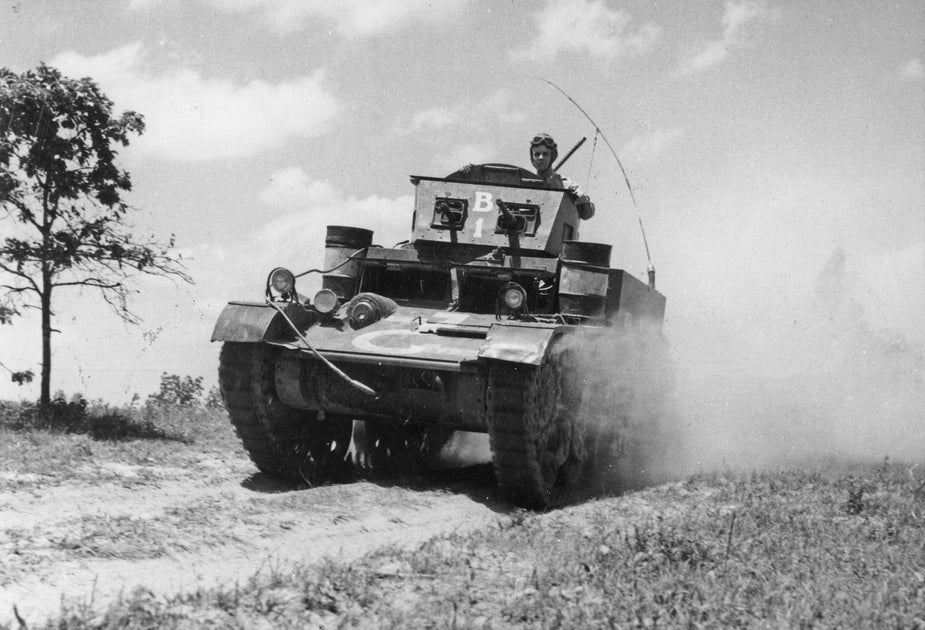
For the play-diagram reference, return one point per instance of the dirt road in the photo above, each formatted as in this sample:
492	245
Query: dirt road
175	529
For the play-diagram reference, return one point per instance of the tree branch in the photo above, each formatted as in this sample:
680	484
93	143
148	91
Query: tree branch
88	282
22	275
24	211
12	289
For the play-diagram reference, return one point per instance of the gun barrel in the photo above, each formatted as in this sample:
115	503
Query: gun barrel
569	154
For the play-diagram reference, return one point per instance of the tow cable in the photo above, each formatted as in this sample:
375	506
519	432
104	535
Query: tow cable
360	386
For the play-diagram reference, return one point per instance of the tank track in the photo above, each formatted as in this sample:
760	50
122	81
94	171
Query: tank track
281	441
537	445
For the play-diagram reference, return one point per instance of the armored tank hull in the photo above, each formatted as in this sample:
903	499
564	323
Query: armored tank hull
482	322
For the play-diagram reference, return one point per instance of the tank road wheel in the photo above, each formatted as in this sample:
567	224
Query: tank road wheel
281	441
532	425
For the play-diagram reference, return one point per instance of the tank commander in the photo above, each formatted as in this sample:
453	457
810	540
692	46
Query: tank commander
543	154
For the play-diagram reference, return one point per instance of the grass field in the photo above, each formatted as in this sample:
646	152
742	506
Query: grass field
792	549
837	545
82	440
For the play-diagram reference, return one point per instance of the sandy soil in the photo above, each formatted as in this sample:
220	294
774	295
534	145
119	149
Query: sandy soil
174	530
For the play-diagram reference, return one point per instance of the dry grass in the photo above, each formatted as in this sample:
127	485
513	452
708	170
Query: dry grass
830	547
79	446
825	548
79	440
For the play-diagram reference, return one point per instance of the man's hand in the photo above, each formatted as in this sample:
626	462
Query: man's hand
585	207
466	169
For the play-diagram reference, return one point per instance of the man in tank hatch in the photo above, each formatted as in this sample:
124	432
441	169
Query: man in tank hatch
543	154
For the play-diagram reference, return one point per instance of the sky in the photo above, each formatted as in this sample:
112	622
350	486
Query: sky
776	151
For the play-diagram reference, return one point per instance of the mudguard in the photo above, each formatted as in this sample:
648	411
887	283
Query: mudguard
255	321
518	343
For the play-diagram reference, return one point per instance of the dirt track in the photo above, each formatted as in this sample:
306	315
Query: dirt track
171	530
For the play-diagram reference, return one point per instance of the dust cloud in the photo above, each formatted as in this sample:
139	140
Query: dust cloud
831	387
627	410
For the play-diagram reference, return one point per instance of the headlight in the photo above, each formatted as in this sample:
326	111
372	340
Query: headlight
514	296
282	280
325	301
280	284
363	313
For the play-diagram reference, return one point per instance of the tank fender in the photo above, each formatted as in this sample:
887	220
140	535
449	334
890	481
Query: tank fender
518	343
255	321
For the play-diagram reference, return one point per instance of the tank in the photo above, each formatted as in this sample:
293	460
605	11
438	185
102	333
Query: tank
476	323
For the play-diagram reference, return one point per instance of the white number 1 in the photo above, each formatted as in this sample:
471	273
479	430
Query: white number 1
478	227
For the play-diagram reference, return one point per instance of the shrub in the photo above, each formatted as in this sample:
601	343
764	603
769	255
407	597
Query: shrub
213	399
78	415
177	391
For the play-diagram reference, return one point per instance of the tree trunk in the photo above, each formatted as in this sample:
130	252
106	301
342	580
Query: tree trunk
45	399
47	221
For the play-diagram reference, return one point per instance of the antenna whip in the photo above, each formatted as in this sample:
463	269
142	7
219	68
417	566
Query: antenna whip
626	179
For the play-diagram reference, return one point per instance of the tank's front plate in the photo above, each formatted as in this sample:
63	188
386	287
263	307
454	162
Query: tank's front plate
425	338
438	339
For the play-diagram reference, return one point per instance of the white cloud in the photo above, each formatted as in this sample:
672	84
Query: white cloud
138	5
710	54
498	106
434	118
737	16
587	26
350	18
290	188
310	205
190	117
291	236
495	107
469	153
912	71
645	148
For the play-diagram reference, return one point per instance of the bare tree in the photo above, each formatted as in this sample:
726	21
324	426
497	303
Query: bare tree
61	192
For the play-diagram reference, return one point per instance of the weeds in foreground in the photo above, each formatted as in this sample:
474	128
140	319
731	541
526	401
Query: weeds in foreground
76	439
783	549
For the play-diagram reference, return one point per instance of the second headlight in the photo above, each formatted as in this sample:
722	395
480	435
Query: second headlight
325	301
281	284
514	296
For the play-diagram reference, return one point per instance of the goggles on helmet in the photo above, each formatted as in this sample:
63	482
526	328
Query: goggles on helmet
544	140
